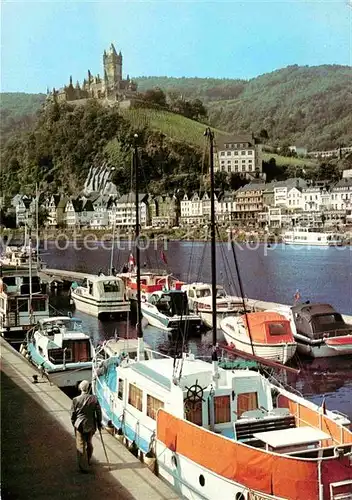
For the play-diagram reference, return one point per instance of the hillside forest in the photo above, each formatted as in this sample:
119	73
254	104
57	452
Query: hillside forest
55	145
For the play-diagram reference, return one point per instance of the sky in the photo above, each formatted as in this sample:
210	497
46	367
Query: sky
44	42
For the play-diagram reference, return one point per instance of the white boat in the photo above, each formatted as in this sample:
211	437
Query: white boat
264	334
23	302
232	432
101	296
312	236
168	311
62	350
200	301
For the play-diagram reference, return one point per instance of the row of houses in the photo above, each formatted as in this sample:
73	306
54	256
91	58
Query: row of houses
98	211
256	203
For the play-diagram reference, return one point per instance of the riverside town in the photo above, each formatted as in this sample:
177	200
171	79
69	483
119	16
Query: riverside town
175	258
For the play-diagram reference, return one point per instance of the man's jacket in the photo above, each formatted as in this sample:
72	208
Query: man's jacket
86	413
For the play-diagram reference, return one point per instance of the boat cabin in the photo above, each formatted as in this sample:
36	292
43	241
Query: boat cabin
200	290
171	302
200	298
23	301
62	340
265	327
318	321
152	282
102	287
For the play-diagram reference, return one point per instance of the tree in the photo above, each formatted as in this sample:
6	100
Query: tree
263	134
221	180
155	96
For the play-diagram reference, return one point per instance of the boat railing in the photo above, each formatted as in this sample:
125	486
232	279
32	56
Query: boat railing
337	412
333	333
156	354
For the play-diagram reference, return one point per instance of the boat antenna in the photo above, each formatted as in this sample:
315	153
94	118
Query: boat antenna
140	348
210	135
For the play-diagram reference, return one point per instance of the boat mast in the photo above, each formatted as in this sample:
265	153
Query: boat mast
37	224
140	348
30	277
214	357
113	245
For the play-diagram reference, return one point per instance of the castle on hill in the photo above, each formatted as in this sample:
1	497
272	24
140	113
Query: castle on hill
111	87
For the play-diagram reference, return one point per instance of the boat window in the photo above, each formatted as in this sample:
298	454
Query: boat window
120	389
12	306
191	293
111	286
323	321
246	401
277	328
222	408
135	396
203	293
39	304
80	350
57	356
220	292
153	405
9	280
22	305
193	412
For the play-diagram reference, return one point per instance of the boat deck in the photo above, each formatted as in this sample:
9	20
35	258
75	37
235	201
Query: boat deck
38	456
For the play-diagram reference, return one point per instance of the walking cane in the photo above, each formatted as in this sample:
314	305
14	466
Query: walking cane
103	445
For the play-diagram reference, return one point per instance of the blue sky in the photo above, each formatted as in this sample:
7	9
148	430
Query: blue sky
43	42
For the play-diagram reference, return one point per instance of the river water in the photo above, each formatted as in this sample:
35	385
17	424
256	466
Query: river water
274	273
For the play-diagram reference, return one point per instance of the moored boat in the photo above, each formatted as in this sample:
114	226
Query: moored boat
150	282
200	301
168	310
101	296
320	331
265	334
23	302
239	434
62	350
312	236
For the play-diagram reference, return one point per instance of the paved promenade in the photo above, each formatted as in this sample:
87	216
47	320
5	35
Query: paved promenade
38	456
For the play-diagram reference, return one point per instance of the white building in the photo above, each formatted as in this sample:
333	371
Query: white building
195	208
241	154
295	199
226	206
72	213
21	203
341	194
125	212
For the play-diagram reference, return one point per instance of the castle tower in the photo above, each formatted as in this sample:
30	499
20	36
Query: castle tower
112	67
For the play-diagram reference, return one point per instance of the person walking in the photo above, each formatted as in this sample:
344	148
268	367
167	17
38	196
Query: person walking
86	417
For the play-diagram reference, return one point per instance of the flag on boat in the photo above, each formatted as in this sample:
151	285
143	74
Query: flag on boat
297	296
163	256
131	262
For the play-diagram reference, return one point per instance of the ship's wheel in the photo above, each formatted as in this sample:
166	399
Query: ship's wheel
194	393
